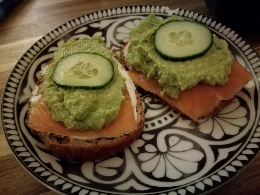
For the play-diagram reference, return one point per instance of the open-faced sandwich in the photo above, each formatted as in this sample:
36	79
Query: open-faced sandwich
183	64
85	106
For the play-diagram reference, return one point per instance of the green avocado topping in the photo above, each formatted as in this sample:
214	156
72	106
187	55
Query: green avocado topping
174	76
83	109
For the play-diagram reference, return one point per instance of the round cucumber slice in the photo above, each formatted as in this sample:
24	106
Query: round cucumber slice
83	71
182	40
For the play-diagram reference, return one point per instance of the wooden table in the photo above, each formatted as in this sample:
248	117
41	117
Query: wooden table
32	19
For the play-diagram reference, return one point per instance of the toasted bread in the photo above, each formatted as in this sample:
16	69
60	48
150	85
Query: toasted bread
80	149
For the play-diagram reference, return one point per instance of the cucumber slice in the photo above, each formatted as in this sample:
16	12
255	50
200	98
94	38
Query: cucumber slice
182	40
83	71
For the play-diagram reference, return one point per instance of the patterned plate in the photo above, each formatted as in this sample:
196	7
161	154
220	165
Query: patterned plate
173	155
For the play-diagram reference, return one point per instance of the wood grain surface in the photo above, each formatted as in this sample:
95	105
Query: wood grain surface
31	20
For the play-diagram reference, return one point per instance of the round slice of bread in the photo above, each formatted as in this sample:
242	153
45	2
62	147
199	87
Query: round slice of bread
74	149
80	150
217	109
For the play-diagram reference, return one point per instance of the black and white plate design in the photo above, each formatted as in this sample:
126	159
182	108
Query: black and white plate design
173	155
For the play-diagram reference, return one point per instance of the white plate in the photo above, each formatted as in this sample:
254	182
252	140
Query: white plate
173	155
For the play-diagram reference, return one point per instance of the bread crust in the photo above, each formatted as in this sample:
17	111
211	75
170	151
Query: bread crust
80	150
223	103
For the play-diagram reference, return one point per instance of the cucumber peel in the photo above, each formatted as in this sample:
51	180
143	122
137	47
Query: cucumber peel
83	71
182	40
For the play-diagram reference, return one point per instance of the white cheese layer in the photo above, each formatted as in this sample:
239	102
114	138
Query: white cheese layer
130	87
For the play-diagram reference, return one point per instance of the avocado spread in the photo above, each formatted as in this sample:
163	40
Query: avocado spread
175	76
84	109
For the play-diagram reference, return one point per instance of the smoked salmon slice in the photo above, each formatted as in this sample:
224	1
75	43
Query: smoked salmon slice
40	119
200	100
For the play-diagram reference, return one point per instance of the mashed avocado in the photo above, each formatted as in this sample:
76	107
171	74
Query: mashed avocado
80	108
211	68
